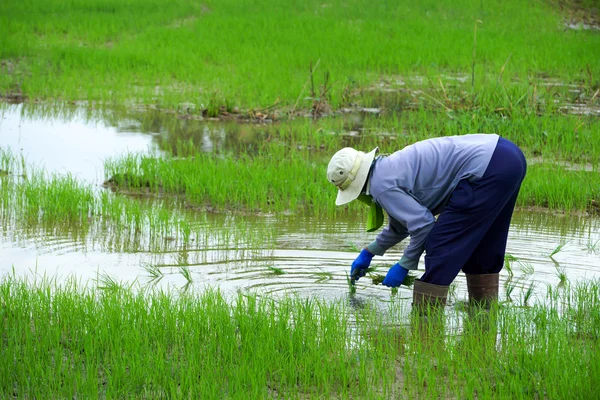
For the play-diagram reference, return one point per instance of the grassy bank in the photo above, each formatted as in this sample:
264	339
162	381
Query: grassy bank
227	53
75	341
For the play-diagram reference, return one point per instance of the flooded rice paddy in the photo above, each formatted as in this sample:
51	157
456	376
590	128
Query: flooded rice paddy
265	254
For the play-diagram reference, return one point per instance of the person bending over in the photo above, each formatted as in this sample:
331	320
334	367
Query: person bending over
471	182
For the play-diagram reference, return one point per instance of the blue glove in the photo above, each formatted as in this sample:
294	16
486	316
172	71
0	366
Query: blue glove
360	265
395	276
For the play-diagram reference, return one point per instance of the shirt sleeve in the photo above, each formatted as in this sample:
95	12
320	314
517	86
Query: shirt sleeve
392	234
416	220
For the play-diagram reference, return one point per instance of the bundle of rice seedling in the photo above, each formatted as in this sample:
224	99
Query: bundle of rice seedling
408	281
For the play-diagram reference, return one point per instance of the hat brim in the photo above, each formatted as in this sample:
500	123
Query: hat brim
353	191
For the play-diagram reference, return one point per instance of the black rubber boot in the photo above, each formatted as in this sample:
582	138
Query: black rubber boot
428	297
483	289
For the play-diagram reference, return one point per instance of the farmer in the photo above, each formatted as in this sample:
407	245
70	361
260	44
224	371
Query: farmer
470	182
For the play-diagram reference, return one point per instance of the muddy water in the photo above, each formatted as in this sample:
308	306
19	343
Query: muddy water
272	255
304	256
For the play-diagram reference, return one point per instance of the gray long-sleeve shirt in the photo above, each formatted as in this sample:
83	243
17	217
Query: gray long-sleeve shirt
415	183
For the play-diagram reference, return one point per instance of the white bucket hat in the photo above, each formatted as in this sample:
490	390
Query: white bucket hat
348	170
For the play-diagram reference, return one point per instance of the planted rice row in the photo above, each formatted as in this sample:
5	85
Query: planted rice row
139	51
73	340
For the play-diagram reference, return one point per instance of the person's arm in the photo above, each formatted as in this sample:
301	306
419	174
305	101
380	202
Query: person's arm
414	217
391	235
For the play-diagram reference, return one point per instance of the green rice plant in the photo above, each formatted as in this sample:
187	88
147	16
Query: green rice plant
557	249
153	272
323	276
569	190
262	184
561	274
107	282
527	295
189	279
273	270
187	274
73	338
452	290
510	287
351	285
526	267
408	281
508	267
354	247
81	56
592	247
61	205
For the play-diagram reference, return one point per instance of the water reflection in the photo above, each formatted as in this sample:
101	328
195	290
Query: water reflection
76	145
291	254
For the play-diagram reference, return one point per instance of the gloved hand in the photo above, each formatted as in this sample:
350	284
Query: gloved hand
360	265
395	276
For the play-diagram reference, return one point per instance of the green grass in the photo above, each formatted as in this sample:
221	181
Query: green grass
224	53
73	340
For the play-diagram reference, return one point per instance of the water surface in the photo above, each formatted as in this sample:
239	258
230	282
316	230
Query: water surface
265	254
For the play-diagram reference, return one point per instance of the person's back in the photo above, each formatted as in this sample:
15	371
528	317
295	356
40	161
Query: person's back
430	169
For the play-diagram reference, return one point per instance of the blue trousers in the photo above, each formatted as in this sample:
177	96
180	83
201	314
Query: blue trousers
471	232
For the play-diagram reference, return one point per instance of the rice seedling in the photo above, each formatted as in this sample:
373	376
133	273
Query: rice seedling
409	281
322	276
509	288
508	267
354	247
351	285
557	249
273	270
452	290
206	180
187	274
81	57
60	205
155	343
592	247
153	272
526	267
527	295
561	275
107	282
